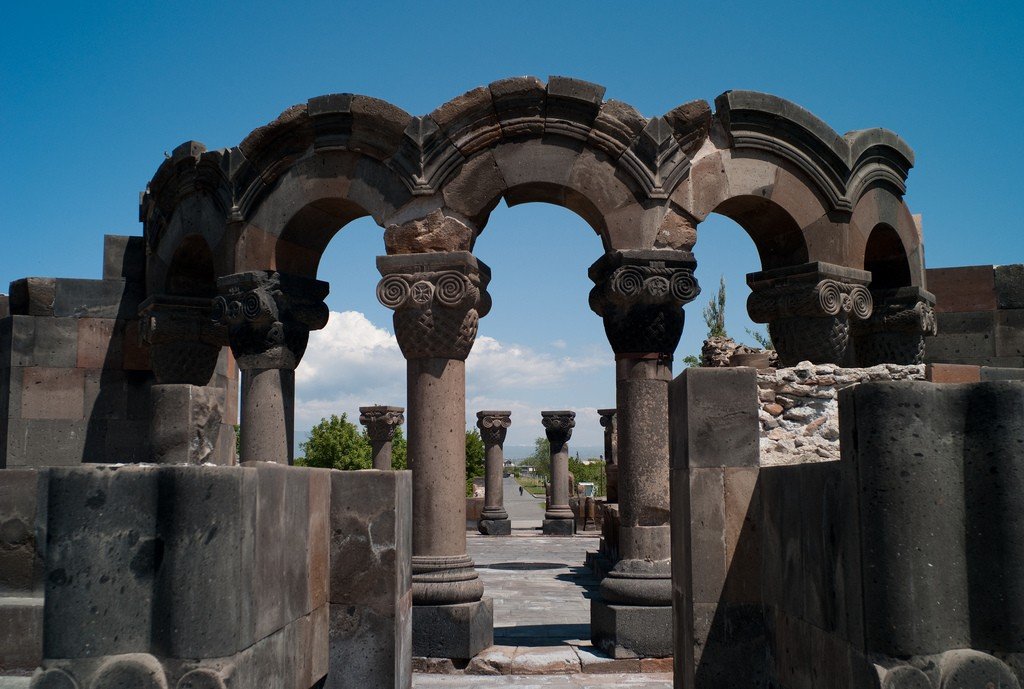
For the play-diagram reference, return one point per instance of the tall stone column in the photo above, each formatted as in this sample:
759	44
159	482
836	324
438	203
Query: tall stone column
438	299
381	422
269	316
640	295
809	310
184	344
611	455
493	425
895	331
558	518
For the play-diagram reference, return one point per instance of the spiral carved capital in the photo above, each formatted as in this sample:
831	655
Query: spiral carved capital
381	421
558	427
268	316
493	426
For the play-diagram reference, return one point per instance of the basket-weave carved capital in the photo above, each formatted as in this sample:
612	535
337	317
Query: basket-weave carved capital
640	295
183	342
896	331
269	315
438	300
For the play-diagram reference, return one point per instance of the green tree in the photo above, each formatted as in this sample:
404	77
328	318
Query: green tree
592	472
399	450
336	443
540	460
714	312
475	452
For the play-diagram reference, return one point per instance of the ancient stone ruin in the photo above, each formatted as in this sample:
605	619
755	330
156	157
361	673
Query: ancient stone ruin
849	519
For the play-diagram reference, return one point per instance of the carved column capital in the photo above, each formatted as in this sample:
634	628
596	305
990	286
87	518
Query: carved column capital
896	330
558	427
640	295
438	300
607	418
183	342
493	426
269	315
381	421
809	309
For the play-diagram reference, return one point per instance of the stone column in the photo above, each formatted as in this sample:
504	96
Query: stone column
558	518
381	422
640	295
895	331
184	344
611	454
438	299
493	425
809	310
269	316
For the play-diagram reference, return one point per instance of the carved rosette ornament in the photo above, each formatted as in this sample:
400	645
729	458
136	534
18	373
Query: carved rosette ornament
269	315
438	300
896	331
640	295
183	342
493	426
809	309
381	422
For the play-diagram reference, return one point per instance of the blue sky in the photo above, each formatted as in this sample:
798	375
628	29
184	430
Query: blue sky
91	95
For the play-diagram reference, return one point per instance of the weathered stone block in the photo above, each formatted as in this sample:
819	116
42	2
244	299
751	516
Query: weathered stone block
707	533
952	373
457	631
970	288
21	634
53	393
1009	333
1009	284
631	631
124	257
993	373
51	342
558	527
495	527
185	423
743	516
717	424
106	394
21	563
370	579
79	298
64	442
99	343
32	296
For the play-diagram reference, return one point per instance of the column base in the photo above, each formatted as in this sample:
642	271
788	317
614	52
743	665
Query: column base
495	527
457	631
631	631
559	527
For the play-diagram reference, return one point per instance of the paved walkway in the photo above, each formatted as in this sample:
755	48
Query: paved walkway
581	681
525	511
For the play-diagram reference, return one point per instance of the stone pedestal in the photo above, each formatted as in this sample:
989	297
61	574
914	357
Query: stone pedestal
493	425
611	455
381	422
558	518
631	631
640	295
268	316
809	310
458	631
438	299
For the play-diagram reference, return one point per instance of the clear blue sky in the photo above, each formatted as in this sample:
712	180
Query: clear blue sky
91	95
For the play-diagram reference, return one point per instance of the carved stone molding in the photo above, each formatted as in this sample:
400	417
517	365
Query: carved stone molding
558	427
493	426
183	342
381	421
640	295
438	300
809	309
269	316
896	331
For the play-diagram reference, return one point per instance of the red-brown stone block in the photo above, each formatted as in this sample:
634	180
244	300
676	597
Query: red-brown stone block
952	373
971	288
53	393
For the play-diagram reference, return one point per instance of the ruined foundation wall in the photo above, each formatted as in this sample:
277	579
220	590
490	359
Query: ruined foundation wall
74	377
799	408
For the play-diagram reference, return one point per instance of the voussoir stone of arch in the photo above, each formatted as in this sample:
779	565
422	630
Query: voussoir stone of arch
469	121
519	105
676	232
435	232
616	127
690	123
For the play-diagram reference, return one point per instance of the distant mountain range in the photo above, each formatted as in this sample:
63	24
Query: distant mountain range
518	452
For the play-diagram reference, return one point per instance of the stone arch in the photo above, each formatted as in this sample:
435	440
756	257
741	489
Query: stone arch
775	233
886	259
191	271
878	207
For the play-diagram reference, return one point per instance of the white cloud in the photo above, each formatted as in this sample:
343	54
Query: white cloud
493	365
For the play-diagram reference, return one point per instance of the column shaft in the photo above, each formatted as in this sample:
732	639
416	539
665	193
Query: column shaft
559	484
494	493
267	415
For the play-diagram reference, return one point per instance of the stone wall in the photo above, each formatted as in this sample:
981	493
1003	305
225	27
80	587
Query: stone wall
799	408
75	379
980	315
21	572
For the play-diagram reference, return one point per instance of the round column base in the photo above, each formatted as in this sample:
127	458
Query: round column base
444	580
639	582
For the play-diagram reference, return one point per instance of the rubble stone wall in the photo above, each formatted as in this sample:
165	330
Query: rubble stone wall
799	408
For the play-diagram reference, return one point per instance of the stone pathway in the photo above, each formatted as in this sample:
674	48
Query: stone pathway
648	681
525	511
